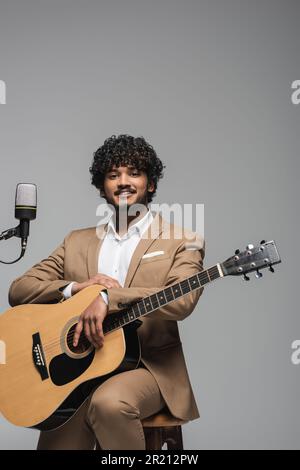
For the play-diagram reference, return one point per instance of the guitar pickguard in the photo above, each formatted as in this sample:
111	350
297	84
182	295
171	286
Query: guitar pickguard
63	369
72	403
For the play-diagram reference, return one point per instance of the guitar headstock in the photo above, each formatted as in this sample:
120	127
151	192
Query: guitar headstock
253	258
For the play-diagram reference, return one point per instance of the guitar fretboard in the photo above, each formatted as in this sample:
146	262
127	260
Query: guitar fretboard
160	299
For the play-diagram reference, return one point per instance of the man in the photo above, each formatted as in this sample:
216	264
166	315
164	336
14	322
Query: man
132	261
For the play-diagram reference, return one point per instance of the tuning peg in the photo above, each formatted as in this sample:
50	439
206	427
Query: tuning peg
246	278
263	242
258	274
237	251
271	269
250	246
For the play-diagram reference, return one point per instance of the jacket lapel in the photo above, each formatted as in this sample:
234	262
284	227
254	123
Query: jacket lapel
151	234
94	249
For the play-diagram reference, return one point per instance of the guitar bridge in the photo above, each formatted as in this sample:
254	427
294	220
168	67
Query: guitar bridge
38	356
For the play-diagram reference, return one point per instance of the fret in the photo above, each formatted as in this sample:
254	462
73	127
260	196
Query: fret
179	287
169	294
154	301
126	318
194	281
148	305
203	278
161	298
150	300
176	291
136	310
214	273
141	307
185	286
131	314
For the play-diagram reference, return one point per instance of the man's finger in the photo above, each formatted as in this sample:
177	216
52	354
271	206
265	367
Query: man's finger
94	334
99	330
108	279
77	333
107	284
103	282
87	332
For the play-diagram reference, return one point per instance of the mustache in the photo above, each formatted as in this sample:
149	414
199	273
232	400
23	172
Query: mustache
117	193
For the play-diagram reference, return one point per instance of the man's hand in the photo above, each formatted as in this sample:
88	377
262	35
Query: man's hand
90	321
102	279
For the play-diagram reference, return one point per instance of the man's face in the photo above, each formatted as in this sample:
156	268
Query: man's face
126	184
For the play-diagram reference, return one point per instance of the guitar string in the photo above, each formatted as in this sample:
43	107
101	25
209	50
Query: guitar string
48	347
52	346
56	342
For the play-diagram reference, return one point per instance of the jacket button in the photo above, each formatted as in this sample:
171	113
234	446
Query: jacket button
121	305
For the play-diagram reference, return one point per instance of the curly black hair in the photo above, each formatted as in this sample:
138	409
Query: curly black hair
125	150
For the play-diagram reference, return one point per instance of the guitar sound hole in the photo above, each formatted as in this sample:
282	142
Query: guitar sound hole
83	343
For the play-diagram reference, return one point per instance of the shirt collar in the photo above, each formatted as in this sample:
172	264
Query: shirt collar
139	227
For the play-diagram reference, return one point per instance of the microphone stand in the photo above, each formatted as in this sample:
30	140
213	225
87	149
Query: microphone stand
14	232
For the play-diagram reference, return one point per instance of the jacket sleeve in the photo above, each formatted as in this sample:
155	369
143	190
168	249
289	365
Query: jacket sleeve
187	262
43	283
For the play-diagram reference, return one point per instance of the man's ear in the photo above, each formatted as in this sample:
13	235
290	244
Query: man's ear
151	187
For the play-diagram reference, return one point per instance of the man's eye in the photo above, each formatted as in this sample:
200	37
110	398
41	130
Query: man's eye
135	173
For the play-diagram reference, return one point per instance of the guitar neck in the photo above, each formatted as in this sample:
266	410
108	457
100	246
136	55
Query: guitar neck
161	298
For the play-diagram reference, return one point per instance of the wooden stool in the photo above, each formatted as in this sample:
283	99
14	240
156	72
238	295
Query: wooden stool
162	428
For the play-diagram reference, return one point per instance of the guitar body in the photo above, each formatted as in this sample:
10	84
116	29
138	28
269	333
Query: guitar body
44	380
43	374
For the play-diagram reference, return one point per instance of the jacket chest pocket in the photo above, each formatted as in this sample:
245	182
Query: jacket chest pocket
152	272
155	258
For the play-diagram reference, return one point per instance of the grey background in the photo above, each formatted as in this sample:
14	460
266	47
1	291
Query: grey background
208	83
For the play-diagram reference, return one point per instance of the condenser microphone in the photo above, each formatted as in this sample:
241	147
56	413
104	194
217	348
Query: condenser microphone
25	208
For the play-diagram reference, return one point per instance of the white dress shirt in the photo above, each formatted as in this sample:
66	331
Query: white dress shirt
116	252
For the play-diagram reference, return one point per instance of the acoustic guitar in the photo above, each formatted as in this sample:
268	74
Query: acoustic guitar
44	379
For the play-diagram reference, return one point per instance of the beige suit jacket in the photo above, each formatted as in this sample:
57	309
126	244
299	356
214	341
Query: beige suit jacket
76	259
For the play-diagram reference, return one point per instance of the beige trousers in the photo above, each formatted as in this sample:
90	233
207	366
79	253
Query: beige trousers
112	415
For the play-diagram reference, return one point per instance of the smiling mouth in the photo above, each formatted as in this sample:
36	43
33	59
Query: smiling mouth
125	194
